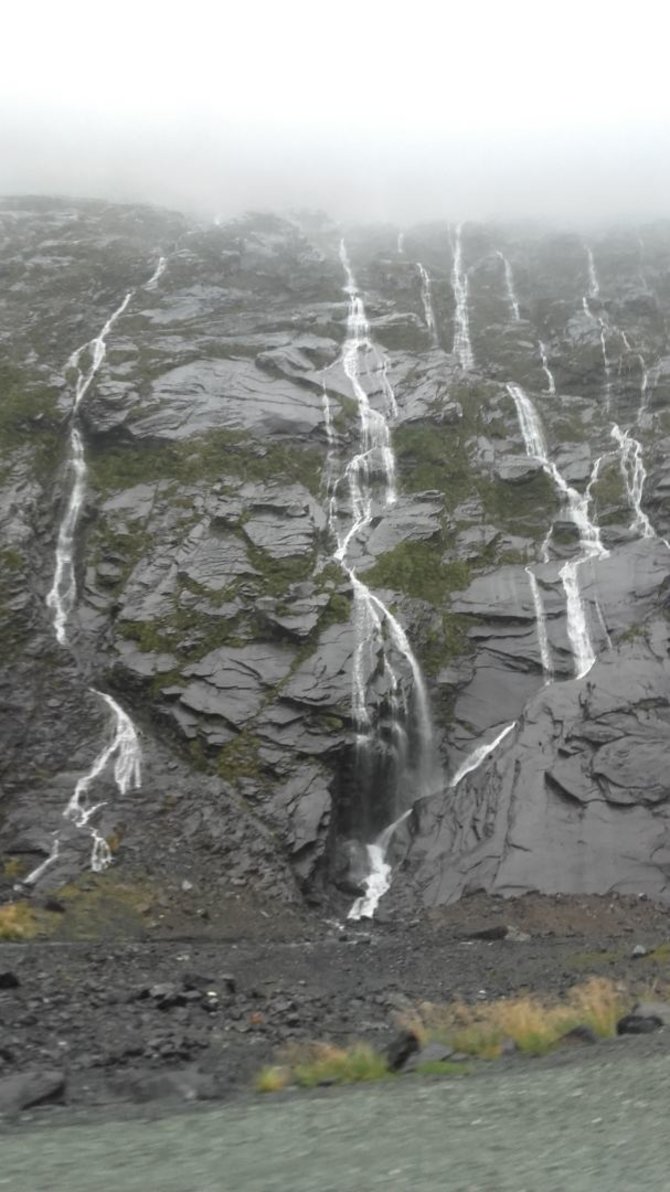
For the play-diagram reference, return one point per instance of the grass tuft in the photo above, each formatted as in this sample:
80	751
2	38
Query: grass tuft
272	1079
535	1024
18	921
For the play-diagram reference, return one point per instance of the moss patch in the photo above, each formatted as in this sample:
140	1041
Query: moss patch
416	569
221	453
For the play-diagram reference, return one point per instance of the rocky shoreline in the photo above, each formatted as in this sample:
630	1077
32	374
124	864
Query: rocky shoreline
165	1022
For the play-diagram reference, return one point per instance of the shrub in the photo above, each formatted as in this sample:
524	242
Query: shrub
18	921
534	1023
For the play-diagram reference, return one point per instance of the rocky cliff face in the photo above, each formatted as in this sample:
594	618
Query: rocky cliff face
528	573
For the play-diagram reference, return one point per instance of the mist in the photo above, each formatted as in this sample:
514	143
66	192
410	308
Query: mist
368	115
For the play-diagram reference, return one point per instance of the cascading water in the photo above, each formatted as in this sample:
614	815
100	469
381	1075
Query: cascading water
369	477
427	300
462	348
63	593
541	623
551	384
401	243
124	747
157	274
594	284
478	755
593	293
634	475
590	543
509	283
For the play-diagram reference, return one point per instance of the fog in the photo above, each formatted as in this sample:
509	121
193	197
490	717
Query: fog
370	111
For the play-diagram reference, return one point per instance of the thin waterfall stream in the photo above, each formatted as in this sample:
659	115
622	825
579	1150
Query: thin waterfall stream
427	300
591	546
509	284
368	479
123	748
462	347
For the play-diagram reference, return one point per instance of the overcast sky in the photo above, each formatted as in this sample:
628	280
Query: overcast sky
368	109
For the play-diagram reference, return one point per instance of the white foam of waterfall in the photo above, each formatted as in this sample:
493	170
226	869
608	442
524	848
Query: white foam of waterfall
551	384
63	592
478	755
462	348
594	284
35	874
509	283
644	387
427	300
378	880
401	243
590	543
378	633
541	623
123	750
62	595
634	475
124	746
594	292
157	274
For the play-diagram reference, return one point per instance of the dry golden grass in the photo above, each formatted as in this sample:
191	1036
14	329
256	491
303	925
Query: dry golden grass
272	1079
534	1023
13	867
18	921
310	1064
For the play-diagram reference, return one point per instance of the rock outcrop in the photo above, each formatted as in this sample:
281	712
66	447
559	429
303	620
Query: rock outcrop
209	601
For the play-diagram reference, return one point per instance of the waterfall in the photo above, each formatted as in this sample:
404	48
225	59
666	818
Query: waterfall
644	387
478	755
401	243
462	348
63	592
594	292
540	621
509	283
594	285
124	748
634	475
590	543
427	299
551	384
157	274
378	880
379	637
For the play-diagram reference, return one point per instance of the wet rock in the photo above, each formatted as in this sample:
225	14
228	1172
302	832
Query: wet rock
188	1084
9	980
653	1009
638	1024
578	1036
399	1050
28	1089
431	1053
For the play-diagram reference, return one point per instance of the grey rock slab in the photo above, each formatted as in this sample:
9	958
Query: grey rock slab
628	583
324	679
134	504
26	1089
231	682
143	663
537	815
226	394
503	594
213	559
409	520
516	469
